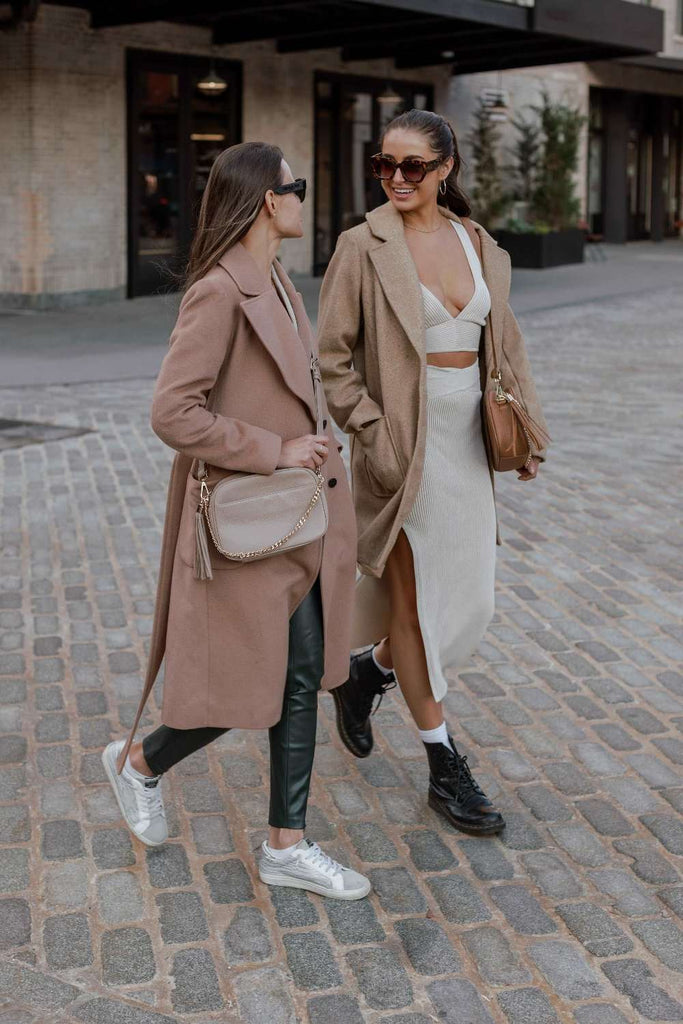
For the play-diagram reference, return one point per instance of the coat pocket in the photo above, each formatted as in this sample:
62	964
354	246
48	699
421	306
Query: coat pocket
381	460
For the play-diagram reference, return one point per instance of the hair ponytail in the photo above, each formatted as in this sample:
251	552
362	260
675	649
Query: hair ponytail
442	140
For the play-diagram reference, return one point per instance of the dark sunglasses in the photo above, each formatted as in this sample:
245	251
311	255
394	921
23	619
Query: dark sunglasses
298	187
413	169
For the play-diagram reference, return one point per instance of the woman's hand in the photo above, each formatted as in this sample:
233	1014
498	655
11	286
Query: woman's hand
310	451
529	472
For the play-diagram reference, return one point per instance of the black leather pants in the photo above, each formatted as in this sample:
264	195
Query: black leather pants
292	740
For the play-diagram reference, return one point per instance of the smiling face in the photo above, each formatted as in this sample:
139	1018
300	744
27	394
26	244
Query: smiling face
288	219
402	143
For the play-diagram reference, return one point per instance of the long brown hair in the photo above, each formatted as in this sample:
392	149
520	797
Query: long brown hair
238	181
442	140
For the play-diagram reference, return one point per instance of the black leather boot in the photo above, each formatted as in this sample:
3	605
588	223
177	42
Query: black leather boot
354	700
455	794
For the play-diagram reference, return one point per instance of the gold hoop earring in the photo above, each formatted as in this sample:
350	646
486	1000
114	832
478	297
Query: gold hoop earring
442	186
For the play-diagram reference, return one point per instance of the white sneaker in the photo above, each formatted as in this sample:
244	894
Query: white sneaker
310	868
141	803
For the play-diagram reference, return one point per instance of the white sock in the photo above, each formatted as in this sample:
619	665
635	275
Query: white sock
136	774
281	854
383	670
438	735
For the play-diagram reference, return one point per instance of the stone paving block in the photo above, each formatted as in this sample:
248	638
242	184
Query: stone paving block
12	691
604	818
211	834
509	712
616	737
65	884
202	795
599	1013
168	866
428	851
597	760
655	772
264	995
91	702
12	749
487	860
427	946
247	938
663	938
580	843
527	1006
228	881
378	771
49	698
520	834
543	803
396	891
61	840
12	782
667	828
648	863
100	806
551	875
513	766
371	842
66	940
182	917
495	960
633	796
523	912
334	1009
584	707
96	732
14	870
293	907
353	922
457	1000
593	927
673	898
565	776
112	848
348	800
54	762
35	988
119	897
15	915
380	977
127	956
311	961
459	901
196	982
629	897
634	979
565	970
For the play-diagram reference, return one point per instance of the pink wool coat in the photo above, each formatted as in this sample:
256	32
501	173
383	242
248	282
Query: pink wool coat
372	344
225	641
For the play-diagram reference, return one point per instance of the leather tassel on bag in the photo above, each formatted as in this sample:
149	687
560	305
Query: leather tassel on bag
202	561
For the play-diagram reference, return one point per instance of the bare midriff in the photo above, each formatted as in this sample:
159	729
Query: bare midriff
454	359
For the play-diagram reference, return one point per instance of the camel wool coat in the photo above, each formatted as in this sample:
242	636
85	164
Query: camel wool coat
234	384
372	342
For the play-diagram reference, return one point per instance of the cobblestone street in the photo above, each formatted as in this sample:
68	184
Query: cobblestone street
571	713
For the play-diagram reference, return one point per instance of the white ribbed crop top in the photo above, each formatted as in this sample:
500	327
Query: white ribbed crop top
461	333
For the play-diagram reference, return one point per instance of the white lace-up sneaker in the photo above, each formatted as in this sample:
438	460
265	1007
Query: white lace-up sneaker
310	868
141	803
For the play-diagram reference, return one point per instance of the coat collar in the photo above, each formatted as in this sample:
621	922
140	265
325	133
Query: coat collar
398	276
289	349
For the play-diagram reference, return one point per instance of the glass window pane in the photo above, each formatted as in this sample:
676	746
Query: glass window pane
157	167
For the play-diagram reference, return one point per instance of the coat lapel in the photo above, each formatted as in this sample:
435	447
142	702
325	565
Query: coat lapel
397	274
269	319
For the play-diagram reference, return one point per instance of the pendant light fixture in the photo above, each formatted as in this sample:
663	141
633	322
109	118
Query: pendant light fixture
212	84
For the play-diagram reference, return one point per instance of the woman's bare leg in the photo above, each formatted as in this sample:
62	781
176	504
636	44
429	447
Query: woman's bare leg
403	649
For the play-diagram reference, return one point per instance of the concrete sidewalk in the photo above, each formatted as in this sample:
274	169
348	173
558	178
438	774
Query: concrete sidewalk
127	340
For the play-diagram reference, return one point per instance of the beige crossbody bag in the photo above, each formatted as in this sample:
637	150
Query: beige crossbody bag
253	515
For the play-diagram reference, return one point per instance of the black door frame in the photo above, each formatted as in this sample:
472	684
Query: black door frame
367	83
180	64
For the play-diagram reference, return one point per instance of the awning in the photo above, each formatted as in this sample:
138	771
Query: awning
471	35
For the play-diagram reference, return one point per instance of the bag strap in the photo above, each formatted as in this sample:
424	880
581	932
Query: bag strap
314	367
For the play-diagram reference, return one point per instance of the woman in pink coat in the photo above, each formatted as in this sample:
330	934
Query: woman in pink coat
251	645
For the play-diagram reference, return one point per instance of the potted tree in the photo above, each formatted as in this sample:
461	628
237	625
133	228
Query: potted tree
490	200
545	160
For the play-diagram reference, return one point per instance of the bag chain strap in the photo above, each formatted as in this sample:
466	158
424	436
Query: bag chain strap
205	493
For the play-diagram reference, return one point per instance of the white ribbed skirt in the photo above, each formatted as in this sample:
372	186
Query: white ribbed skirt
452	525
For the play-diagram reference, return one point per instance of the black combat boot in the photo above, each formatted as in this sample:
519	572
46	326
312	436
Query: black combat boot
354	700
455	794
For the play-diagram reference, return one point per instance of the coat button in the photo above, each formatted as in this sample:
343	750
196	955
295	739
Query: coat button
332	482
340	448
324	424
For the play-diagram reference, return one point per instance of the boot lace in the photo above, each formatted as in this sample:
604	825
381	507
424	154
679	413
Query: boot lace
366	698
459	772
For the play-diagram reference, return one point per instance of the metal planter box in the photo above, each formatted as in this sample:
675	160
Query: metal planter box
552	249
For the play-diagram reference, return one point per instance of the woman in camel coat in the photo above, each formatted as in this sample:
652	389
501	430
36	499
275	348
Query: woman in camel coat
414	316
250	647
